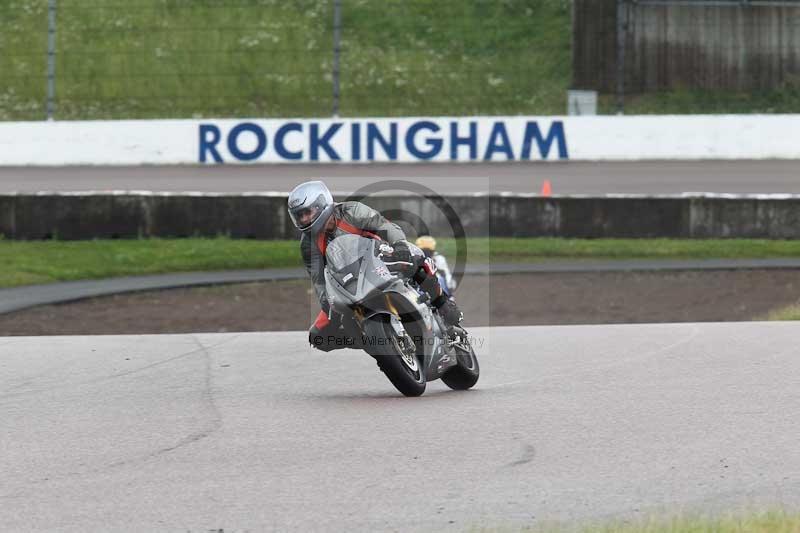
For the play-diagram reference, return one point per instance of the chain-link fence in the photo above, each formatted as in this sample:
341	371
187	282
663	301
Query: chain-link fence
91	59
109	59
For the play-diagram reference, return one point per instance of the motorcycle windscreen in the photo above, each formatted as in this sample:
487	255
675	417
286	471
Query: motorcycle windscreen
345	255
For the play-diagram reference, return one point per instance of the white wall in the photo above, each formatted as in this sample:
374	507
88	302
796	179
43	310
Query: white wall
404	140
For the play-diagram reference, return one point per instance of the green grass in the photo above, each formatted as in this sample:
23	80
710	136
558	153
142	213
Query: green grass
765	522
273	58
790	312
685	101
25	263
546	248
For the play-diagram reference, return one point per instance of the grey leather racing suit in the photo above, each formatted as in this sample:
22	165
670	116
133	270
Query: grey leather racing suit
350	217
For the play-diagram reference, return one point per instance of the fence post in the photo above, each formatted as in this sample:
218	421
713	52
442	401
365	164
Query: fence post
51	59
622	29
337	46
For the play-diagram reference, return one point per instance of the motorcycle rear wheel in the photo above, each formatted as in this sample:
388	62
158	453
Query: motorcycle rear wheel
383	344
466	373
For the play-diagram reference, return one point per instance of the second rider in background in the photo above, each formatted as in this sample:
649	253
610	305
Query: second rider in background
428	245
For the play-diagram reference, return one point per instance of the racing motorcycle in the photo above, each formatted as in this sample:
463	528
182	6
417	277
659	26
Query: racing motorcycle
394	321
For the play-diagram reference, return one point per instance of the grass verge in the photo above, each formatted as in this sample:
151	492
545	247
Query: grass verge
763	522
25	263
790	312
698	101
274	58
270	58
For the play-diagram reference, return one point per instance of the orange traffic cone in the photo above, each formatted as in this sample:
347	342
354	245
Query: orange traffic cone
546	188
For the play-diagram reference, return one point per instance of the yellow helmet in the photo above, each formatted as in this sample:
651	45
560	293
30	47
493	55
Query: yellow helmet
426	242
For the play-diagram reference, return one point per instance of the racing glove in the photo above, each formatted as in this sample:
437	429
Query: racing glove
402	252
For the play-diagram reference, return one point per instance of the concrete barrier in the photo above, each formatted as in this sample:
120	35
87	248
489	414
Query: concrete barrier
70	216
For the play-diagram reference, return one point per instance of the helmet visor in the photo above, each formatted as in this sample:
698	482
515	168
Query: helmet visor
304	215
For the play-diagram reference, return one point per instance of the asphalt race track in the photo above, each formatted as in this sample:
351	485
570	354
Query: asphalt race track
652	177
257	431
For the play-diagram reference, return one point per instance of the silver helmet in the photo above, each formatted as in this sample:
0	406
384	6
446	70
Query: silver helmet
310	206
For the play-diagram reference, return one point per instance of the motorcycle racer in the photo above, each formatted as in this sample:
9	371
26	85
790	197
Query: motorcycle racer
320	219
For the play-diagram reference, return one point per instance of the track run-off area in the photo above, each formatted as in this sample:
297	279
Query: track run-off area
258	431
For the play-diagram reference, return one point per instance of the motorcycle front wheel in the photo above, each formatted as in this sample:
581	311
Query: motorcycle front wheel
396	357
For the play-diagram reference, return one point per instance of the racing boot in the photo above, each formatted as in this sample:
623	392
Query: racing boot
425	276
448	310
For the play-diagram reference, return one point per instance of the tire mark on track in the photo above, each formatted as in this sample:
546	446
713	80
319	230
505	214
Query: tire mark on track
27	380
528	455
119	374
201	348
213	424
213	419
